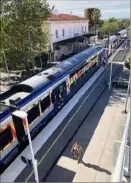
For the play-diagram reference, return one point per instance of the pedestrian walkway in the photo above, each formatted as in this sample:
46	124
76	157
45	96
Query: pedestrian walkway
107	118
99	154
98	157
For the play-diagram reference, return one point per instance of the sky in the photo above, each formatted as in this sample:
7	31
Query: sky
109	8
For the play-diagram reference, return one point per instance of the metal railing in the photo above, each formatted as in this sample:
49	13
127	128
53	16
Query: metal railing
121	160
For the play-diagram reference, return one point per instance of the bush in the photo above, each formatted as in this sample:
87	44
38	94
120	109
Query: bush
44	59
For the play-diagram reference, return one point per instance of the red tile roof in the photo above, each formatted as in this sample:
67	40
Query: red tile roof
60	17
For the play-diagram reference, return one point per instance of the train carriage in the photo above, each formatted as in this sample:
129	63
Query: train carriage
44	94
112	45
122	36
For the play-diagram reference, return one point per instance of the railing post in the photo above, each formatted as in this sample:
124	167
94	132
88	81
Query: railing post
126	166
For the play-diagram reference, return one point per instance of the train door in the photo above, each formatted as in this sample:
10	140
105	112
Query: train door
111	49
60	95
20	131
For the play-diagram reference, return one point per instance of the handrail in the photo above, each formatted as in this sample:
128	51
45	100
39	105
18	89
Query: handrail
119	168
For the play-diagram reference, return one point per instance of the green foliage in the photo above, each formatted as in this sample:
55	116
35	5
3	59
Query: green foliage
43	60
112	26
19	18
124	23
95	16
112	19
101	22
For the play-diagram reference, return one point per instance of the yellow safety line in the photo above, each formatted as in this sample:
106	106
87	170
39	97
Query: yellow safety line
63	129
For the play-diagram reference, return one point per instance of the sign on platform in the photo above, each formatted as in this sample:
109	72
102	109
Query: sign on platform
120	84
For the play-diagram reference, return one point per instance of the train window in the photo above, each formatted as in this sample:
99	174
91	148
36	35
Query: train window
5	137
62	90
33	113
45	103
72	74
53	97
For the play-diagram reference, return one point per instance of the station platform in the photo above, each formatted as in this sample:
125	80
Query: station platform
57	137
98	157
97	135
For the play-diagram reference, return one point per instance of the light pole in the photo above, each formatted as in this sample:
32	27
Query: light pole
34	161
110	76
125	47
23	116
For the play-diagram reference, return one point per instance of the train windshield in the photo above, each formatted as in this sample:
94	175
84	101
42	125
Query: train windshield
5	137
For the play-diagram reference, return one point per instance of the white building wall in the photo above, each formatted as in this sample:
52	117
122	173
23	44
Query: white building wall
70	29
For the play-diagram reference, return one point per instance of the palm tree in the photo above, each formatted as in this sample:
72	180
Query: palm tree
95	17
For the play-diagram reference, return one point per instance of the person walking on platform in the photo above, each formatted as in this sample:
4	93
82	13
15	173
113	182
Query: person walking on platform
77	151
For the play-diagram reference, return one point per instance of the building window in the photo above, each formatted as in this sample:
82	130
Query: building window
63	32
56	33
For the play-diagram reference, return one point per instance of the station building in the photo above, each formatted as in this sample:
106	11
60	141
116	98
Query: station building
68	33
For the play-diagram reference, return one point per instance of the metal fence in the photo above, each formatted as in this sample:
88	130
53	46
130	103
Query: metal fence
122	163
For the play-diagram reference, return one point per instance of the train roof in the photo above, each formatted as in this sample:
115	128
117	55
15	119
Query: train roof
39	79
28	89
124	31
44	77
111	38
78	58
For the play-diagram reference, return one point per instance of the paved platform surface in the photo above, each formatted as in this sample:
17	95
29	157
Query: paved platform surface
100	129
99	155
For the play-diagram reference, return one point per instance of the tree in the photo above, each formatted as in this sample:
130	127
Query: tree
124	23
112	26
109	27
95	15
21	18
101	22
112	20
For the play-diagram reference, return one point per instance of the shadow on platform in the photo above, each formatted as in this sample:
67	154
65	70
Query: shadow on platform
95	167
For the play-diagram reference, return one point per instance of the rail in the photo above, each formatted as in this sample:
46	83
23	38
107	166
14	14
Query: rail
119	168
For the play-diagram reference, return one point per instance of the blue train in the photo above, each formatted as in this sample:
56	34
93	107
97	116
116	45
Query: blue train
44	94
